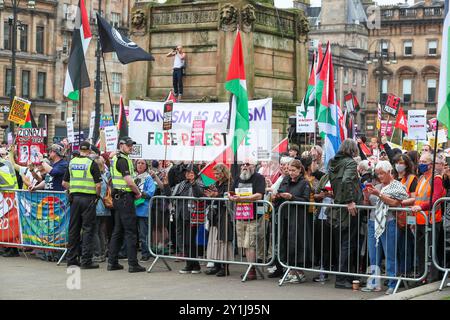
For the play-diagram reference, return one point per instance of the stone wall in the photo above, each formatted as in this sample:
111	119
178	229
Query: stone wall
274	43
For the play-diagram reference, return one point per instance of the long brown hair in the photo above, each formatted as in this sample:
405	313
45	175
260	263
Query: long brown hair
298	164
220	167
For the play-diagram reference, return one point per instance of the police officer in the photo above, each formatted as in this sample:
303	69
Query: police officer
8	181
83	180
124	193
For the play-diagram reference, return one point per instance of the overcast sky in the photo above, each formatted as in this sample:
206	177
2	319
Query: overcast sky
315	3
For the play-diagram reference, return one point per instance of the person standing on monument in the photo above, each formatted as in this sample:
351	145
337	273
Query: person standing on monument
178	65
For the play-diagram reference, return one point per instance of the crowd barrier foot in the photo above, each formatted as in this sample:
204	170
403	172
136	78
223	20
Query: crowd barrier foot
156	260
62	257
443	280
281	282
397	286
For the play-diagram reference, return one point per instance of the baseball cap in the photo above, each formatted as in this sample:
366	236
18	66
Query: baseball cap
127	141
59	150
85	145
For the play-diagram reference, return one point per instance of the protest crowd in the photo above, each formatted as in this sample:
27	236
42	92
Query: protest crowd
110	220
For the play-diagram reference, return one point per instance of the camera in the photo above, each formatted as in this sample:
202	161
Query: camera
175	48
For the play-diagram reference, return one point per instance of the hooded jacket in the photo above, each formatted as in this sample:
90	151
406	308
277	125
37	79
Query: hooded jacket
344	179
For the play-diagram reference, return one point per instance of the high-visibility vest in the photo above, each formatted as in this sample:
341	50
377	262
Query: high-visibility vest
118	181
81	179
8	179
407	181
423	193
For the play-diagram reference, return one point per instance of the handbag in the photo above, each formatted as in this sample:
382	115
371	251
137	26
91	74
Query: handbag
107	199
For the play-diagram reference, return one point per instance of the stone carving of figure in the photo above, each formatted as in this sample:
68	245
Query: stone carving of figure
248	17
138	19
302	26
228	17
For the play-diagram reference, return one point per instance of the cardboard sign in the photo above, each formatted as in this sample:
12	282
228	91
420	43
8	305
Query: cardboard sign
408	145
70	135
244	211
106	121
167	117
19	110
442	136
392	105
111	138
305	124
198	132
77	139
91	125
417	124
386	129
30	142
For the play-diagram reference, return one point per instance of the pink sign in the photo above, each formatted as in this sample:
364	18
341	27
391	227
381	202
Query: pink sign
386	131
432	123
198	133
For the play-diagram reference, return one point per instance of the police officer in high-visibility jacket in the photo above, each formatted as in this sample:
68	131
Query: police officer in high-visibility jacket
421	204
125	191
83	180
8	181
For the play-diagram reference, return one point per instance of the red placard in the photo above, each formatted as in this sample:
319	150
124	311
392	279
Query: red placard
198	132
9	218
30	142
392	105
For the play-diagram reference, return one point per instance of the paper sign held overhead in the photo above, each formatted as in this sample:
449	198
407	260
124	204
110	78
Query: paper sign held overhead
305	124
417	124
392	105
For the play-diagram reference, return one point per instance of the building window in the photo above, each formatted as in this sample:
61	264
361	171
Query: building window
25	83
40	40
363	79
354	78
407	48
63	111
431	90
432	47
407	84
66	43
115	58
116	110
384	91
41	81
362	103
8	80
345	76
115	19
75	113
24	37
384	47
116	82
335	74
7	41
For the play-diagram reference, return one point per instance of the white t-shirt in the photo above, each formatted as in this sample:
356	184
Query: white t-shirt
178	62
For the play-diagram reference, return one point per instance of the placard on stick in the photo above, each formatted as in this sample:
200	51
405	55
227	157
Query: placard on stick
392	105
19	110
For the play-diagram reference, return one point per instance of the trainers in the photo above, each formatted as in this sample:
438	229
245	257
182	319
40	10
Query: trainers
91	265
272	269
145	258
370	289
210	265
389	291
295	278
196	271
99	259
186	270
321	278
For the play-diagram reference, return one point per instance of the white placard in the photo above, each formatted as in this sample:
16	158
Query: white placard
111	138
91	125
305	124
417	124
70	133
146	123
442	135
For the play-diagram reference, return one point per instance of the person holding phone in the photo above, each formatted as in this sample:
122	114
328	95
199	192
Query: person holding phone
178	65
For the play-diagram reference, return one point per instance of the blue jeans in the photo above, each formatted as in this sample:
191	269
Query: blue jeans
387	241
143	235
177	78
405	250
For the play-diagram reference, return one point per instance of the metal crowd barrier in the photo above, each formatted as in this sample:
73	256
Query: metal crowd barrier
441	239
309	240
36	220
223	242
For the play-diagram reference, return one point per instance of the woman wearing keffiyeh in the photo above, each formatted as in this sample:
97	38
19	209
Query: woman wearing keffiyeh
382	225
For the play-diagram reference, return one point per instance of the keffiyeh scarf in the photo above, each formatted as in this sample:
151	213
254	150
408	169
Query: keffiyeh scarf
394	190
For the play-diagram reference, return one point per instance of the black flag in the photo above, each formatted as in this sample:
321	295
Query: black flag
112	41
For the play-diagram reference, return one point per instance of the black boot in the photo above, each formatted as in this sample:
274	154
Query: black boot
224	271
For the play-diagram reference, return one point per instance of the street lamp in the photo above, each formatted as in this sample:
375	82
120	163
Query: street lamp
384	56
14	25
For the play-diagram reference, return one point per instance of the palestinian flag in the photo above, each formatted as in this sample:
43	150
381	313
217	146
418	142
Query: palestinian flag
236	84
29	122
329	114
443	107
77	76
310	96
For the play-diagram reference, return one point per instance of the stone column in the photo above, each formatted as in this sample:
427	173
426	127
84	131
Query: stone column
301	55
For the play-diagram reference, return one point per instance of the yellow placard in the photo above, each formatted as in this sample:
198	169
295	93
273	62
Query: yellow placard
19	110
408	145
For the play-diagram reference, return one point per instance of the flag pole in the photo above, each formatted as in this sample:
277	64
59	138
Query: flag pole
80	109
434	163
109	92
